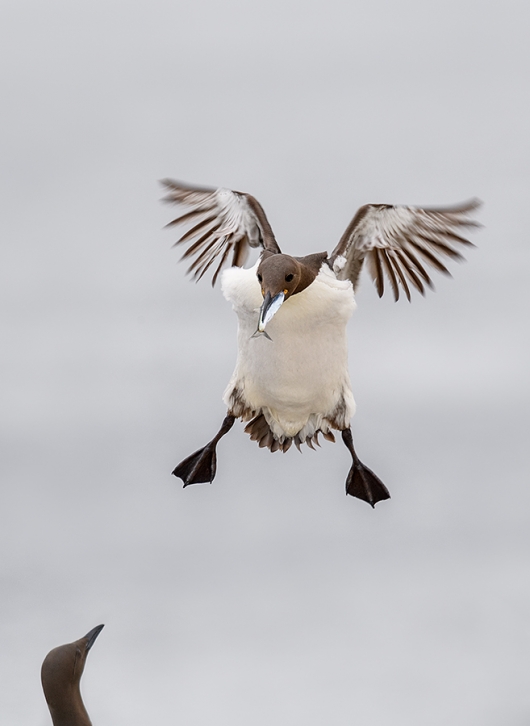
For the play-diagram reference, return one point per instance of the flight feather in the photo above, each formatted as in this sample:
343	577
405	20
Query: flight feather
399	243
223	223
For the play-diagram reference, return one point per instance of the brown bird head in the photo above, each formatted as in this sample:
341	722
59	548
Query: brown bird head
61	674
281	276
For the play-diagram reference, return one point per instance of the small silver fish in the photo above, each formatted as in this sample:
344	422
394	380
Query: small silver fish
261	332
270	307
268	310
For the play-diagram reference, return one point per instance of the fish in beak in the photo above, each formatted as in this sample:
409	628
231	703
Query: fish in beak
281	276
268	310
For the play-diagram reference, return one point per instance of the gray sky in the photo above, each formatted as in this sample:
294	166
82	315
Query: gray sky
268	596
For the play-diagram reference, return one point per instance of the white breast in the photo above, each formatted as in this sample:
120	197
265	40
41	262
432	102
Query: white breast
301	375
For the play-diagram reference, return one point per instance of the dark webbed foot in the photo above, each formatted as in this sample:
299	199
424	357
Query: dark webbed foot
198	468
362	482
201	466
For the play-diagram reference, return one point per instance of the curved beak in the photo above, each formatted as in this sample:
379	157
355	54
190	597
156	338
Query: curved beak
270	307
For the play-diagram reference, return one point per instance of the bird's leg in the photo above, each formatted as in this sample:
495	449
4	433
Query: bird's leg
201	466
361	482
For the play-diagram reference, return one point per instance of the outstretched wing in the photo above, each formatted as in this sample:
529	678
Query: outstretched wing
224	222
398	242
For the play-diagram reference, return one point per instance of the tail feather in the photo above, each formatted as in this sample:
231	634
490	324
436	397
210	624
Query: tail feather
260	431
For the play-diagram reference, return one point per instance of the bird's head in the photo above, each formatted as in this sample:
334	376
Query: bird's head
281	276
61	673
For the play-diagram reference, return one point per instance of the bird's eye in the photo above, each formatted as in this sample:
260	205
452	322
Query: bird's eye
288	278
260	278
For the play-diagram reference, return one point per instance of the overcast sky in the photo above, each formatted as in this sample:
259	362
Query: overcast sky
267	597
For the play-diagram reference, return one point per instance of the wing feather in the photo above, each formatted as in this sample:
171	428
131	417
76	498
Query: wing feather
194	231
205	239
185	217
389	268
403	264
440	245
419	267
376	271
402	277
220	265
430	257
396	242
225	222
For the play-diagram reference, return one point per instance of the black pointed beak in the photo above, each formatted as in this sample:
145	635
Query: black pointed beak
263	310
270	307
92	635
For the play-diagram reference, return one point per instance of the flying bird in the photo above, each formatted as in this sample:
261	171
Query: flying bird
61	676
291	380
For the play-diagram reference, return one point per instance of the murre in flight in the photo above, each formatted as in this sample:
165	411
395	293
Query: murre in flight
61	675
291	380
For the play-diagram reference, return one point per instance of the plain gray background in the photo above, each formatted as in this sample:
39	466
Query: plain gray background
268	597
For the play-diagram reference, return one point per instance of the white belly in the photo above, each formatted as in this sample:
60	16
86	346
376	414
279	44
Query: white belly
301	375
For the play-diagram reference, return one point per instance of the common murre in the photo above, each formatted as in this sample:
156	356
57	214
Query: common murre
291	380
61	676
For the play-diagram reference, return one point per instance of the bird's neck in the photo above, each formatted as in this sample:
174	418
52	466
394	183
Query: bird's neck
70	711
309	269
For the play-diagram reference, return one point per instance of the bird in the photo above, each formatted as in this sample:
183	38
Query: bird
61	675
291	380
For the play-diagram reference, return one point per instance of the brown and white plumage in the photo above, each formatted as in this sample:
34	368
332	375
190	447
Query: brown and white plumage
399	242
293	384
396	241
224	222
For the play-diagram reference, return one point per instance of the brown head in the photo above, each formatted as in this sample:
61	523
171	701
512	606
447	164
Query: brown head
61	674
281	276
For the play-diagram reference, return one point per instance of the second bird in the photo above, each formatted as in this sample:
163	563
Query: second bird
291	380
